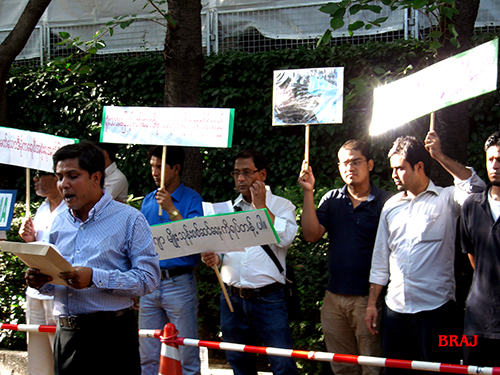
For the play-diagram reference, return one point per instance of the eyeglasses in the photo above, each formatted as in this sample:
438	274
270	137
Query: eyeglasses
354	162
246	173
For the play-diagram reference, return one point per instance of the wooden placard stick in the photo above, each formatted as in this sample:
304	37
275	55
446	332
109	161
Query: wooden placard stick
28	197
431	125
223	287
162	179
306	148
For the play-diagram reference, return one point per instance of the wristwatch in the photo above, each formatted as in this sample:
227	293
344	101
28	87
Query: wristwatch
173	215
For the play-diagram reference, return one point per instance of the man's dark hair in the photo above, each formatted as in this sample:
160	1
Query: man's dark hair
90	157
175	155
413	151
258	158
358	145
493	140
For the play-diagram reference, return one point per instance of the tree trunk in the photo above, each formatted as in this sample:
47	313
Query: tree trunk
14	44
183	57
452	123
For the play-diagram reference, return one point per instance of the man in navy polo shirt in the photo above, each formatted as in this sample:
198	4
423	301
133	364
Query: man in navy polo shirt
350	216
176	298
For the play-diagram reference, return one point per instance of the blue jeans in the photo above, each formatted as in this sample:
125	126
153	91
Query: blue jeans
265	318
174	301
416	336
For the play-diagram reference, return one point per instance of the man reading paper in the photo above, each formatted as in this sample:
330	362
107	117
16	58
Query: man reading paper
111	248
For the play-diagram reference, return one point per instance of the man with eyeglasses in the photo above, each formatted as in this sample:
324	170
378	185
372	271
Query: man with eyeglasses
350	216
414	254
39	307
252	279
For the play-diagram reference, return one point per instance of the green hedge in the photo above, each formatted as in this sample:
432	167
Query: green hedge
242	81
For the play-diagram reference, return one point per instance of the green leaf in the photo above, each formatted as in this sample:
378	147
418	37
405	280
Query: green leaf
64	89
448	12
374	8
337	23
379	20
419	4
100	44
92	51
64	35
355	8
84	69
368	26
88	84
378	70
435	45
329	8
356	25
452	30
436	34
325	39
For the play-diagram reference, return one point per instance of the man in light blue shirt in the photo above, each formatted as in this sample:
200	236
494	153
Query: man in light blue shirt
110	246
176	299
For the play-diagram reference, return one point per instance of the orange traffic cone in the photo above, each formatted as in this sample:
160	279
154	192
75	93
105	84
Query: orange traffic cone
170	359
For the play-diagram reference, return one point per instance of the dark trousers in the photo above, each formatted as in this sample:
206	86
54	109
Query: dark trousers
102	348
416	336
485	354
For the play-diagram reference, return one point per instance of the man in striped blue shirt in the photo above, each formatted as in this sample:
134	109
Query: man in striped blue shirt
110	246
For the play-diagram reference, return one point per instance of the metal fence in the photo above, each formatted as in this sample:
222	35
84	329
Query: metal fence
261	28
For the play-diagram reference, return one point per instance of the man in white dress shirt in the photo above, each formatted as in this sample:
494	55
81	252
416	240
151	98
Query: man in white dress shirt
414	254
254	283
39	307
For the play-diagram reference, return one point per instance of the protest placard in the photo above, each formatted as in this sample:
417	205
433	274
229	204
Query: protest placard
7	201
458	78
30	149
42	256
225	232
308	96
196	127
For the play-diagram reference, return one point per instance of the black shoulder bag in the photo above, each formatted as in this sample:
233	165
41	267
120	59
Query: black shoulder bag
291	291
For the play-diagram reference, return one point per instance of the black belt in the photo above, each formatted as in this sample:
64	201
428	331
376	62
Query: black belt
173	272
257	292
87	320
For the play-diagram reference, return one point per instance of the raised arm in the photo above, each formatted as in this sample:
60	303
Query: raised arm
312	230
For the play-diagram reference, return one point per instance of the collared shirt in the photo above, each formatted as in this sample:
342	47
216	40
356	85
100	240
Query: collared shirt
116	242
189	204
351	235
415	246
253	268
116	183
481	237
43	222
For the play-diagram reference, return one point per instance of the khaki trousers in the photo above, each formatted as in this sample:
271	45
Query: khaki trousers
342	319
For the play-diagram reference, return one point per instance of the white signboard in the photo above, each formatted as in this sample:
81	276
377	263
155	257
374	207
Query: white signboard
308	96
197	127
458	78
30	149
226	232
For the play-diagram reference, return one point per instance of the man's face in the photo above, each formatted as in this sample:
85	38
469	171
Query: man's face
403	174
493	164
246	175
170	173
79	190
353	167
45	184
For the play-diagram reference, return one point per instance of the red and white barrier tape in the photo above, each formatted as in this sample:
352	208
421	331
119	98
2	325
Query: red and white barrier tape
155	333
311	355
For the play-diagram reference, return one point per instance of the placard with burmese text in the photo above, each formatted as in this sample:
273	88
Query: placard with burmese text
222	233
168	126
30	149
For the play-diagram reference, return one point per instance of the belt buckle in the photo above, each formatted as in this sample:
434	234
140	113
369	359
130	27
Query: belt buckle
73	321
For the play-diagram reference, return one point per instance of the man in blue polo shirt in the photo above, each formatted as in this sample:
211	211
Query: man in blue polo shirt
350	216
176	298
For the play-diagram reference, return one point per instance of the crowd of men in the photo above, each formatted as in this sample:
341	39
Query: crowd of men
391	287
